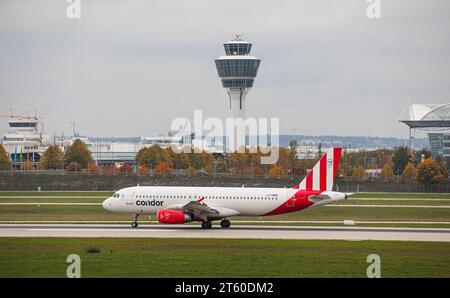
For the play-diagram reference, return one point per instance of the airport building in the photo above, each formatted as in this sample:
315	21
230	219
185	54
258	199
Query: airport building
25	143
434	118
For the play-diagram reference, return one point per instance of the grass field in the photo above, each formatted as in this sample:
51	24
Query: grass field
124	257
421	196
10	213
45	257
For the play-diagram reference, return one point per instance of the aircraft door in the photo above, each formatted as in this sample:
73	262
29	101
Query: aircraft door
129	198
291	201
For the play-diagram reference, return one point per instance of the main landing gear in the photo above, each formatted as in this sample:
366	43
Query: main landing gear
206	225
225	223
135	223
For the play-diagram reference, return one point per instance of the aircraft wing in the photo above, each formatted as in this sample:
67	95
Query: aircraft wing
204	211
199	207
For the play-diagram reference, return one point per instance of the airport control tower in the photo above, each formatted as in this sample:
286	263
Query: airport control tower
237	70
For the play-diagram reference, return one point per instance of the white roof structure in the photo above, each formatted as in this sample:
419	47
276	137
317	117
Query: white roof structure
427	116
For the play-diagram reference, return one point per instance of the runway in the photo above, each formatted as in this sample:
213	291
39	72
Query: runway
241	232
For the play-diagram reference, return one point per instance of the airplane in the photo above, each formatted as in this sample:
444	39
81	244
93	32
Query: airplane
176	205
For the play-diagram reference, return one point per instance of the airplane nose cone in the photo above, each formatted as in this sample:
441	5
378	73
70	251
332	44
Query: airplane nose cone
106	204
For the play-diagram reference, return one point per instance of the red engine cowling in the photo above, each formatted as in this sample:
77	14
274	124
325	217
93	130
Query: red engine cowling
173	216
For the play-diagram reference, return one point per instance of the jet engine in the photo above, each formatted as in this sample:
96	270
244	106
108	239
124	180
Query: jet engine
169	216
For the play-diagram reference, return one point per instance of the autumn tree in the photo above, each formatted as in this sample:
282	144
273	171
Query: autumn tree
153	155
429	172
409	173
163	167
354	160
52	158
179	160
381	156
73	166
276	171
93	168
444	170
191	171
358	172
387	173
442	164
26	165
400	158
421	155
5	162
208	169
109	170
221	168
283	158
293	147
205	159
78	153
258	171
143	169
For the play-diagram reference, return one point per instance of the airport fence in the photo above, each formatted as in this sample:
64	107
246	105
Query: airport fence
71	181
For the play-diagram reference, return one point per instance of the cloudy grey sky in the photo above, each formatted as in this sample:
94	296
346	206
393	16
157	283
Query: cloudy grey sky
128	67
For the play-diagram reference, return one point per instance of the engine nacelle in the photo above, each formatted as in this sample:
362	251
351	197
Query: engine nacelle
168	216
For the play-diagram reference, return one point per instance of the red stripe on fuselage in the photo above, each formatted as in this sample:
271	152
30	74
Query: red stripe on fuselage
301	202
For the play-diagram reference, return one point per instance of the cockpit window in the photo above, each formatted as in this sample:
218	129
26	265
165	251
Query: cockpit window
116	195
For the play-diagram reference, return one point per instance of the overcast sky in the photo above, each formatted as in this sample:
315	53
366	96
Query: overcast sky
128	67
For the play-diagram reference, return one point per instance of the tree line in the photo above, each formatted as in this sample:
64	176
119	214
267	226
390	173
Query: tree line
76	158
385	164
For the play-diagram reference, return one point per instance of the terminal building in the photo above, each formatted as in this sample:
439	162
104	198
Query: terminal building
24	143
434	118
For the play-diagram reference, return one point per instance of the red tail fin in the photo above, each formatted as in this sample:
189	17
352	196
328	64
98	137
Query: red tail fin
322	176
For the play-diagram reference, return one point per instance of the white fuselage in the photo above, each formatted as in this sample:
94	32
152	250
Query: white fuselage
149	200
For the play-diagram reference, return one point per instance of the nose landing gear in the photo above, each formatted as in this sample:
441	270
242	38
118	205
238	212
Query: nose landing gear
225	223
135	223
